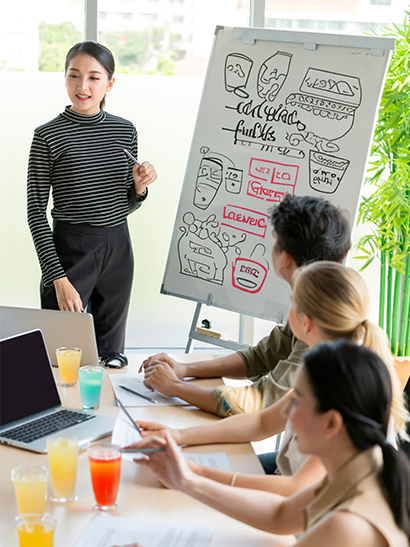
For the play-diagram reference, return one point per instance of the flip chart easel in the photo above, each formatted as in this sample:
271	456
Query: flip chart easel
282	112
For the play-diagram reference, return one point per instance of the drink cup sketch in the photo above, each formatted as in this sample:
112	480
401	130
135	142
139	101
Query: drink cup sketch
237	70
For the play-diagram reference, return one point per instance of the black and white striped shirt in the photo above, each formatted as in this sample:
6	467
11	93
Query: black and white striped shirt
82	159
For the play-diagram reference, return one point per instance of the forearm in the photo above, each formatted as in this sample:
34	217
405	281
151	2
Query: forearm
283	486
276	484
199	396
230	366
236	429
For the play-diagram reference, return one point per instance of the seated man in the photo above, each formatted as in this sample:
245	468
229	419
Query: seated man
305	229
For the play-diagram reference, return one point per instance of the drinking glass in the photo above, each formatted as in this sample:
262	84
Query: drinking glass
105	468
68	360
30	487
62	457
36	530
91	380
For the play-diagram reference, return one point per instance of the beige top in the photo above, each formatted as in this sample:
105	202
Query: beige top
272	365
357	488
289	460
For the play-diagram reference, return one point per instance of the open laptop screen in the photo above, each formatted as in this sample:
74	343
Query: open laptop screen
26	379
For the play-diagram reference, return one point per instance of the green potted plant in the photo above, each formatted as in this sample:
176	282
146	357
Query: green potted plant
388	207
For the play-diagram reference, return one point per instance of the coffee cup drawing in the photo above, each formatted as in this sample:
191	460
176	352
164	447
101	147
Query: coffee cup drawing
249	274
272	75
326	171
237	70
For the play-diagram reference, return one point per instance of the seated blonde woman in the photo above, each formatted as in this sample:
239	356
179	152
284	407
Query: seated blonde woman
339	411
329	301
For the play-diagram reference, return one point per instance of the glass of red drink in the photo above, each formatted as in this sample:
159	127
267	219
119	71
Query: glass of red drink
105	468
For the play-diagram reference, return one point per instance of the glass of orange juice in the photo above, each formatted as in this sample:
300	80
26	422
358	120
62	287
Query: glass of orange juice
62	456
105	468
30	487
68	360
36	530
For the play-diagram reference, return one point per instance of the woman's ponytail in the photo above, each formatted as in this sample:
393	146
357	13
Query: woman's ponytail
375	339
396	479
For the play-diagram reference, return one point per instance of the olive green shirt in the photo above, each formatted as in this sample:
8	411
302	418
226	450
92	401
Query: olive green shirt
272	365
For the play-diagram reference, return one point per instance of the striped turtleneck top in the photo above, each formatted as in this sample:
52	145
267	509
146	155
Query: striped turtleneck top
82	159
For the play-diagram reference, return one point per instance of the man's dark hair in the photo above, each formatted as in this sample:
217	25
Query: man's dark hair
310	229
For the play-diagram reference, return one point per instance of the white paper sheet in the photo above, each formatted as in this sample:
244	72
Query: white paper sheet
124	434
106	531
216	460
134	381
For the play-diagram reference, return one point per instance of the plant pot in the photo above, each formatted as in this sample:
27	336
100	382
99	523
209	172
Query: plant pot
402	366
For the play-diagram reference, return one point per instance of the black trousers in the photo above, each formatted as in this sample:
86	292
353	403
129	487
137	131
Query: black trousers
99	264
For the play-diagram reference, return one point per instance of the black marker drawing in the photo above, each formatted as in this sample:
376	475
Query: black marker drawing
201	252
213	169
332	85
326	104
272	75
320	143
237	70
259	123
326	172
233	180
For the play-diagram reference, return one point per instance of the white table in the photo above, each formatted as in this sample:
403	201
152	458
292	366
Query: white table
140	495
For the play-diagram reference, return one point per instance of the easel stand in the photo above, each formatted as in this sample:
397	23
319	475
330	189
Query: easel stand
193	335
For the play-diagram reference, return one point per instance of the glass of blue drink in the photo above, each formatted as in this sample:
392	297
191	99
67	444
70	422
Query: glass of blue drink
91	379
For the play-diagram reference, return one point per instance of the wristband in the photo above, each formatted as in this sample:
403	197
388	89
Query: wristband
141	197
233	479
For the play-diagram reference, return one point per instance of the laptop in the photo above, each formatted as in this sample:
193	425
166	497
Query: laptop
29	399
59	328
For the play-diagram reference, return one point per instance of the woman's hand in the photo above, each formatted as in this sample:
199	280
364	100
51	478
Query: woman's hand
170	467
67	297
144	175
148	429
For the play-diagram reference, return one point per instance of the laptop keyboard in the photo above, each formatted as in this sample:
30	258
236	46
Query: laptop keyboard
27	433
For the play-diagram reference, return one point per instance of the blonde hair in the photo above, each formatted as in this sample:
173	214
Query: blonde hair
336	299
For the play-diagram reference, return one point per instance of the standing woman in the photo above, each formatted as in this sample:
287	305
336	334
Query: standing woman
87	260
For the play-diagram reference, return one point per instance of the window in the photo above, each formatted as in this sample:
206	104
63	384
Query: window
337	25
35	36
173	40
305	24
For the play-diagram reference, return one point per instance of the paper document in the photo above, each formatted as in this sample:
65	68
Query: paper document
124	434
215	460
106	531
143	395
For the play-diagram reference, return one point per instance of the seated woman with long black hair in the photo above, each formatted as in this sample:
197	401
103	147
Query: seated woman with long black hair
339	411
